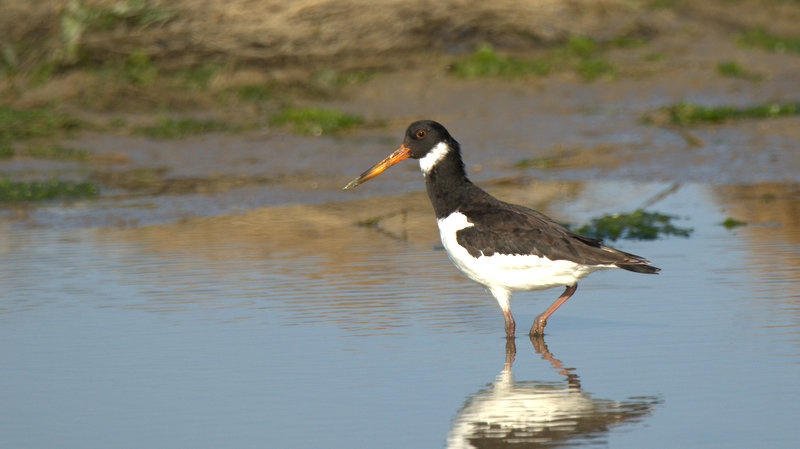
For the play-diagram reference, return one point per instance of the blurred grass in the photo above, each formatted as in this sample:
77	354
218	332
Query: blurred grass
254	93
582	54
486	62
6	149
41	151
760	37
78	16
733	69
329	80
594	68
36	191
688	114
542	162
16	123
586	55
196	78
139	69
316	121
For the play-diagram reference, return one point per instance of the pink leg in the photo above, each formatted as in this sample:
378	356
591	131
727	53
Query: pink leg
510	325
541	320
503	298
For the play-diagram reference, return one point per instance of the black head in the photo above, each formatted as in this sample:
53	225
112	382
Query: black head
423	135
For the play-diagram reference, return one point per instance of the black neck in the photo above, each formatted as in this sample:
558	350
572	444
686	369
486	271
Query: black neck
448	186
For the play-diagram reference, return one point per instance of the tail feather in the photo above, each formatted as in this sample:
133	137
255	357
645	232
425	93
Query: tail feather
640	267
628	261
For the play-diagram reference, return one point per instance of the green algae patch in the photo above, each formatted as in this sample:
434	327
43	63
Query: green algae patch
36	191
542	162
732	223
58	152
692	114
637	225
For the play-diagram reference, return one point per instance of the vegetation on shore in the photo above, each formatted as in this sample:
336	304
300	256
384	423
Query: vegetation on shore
733	69
689	114
55	80
20	124
760	37
37	191
583	55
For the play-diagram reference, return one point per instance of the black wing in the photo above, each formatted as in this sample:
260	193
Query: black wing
506	228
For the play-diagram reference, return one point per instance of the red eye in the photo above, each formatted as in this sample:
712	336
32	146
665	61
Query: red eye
420	134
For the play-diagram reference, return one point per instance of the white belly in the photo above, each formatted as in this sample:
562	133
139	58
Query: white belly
511	272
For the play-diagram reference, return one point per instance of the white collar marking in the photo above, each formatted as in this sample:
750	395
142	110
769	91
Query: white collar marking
433	157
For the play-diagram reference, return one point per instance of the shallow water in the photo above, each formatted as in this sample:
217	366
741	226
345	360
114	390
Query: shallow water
292	327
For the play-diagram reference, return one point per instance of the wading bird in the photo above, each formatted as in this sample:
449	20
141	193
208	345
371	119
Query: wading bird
503	246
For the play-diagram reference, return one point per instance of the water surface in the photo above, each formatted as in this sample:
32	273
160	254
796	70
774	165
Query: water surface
290	326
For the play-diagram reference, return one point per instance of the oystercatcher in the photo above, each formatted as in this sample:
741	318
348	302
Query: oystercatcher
503	246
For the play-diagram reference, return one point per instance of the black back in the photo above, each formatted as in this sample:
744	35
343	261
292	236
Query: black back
500	227
504	228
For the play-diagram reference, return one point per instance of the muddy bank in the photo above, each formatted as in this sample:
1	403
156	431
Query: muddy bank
287	37
561	126
353	33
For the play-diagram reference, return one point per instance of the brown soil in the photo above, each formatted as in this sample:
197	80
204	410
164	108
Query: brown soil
566	128
287	37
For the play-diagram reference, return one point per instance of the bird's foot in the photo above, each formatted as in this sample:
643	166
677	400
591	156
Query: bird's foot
538	326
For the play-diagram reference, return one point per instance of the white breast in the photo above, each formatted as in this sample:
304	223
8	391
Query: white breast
508	271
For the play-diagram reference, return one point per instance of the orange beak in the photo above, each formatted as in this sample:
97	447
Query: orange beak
397	156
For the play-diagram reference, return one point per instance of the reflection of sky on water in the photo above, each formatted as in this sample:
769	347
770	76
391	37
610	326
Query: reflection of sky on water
254	331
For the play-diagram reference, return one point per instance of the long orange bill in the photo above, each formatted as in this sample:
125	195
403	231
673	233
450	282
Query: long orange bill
398	155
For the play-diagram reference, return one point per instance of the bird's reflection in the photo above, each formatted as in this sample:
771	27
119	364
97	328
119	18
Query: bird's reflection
532	413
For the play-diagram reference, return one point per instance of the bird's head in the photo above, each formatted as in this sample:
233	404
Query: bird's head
425	140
